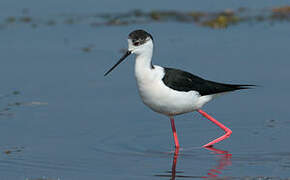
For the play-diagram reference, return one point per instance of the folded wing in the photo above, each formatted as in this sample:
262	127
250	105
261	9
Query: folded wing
183	81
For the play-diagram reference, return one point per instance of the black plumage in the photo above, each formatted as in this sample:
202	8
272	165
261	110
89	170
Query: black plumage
139	37
184	81
139	34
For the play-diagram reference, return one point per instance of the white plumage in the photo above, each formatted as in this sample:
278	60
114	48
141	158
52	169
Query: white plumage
154	93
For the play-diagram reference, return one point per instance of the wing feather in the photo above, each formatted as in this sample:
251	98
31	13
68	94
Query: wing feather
183	81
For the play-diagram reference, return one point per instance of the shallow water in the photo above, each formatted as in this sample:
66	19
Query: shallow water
60	118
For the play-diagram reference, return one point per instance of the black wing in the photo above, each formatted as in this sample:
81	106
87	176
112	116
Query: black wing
184	81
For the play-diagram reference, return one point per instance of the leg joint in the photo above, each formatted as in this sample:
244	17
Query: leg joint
229	132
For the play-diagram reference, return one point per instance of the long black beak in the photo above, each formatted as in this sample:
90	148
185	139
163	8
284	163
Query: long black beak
122	59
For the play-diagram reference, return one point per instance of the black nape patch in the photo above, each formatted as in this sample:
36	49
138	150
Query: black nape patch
139	35
184	81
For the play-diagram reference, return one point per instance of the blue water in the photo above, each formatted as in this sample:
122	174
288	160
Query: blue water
71	122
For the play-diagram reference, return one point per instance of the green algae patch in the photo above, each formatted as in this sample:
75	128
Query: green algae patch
10	19
215	20
222	21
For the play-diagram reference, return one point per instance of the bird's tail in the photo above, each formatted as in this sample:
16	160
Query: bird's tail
233	87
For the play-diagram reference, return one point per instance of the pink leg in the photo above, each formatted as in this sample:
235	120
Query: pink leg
173	169
174	133
223	127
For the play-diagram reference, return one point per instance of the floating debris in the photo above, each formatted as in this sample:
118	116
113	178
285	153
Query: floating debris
222	21
216	20
10	20
7	110
270	123
284	10
16	92
12	150
88	48
7	152
25	19
281	13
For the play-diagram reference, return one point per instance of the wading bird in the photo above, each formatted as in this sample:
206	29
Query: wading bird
172	91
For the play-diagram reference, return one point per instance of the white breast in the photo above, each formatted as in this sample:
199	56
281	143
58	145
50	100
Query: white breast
160	98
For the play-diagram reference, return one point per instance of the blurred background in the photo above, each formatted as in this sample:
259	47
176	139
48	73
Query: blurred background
60	118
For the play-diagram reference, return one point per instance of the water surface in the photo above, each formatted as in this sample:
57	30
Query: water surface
61	118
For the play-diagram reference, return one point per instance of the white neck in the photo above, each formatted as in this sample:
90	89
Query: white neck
143	65
143	60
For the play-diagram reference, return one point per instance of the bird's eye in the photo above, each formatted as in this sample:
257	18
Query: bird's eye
136	43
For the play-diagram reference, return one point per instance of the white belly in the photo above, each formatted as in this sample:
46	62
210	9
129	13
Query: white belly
162	99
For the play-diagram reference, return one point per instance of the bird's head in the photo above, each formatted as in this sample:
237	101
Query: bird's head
139	42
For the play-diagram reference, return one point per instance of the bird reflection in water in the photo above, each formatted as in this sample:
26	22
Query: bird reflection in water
223	161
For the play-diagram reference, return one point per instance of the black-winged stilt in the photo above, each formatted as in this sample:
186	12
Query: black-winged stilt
171	91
